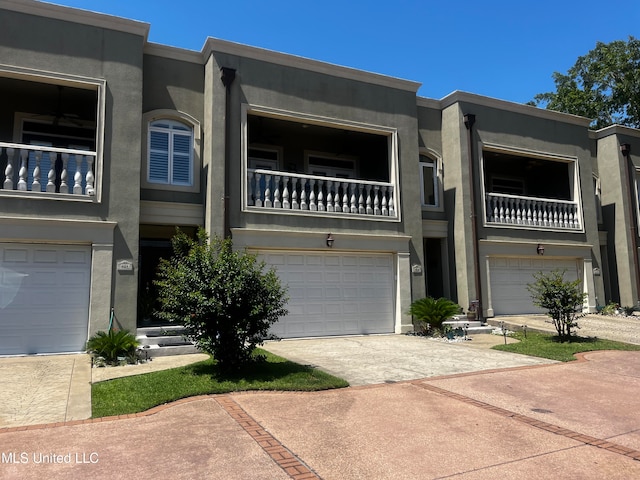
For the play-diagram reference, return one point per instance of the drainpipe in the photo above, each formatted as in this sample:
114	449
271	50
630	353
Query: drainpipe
228	76
625	149
469	121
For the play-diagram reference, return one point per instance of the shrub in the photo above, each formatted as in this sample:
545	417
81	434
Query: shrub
610	308
113	344
432	312
562	299
225	299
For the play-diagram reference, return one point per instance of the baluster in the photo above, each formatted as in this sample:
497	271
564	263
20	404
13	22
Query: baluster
494	209
385	208
345	197
392	202
286	204
320	199
512	211
545	214
352	200
312	195
277	203
330	197
519	211
251	182
267	191
369	208
303	195
501	209
257	199
376	200
77	177
89	178
23	171
294	193
529	215
8	171
64	187
361	208
35	185
554	211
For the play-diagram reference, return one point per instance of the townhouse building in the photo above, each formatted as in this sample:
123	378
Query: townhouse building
363	195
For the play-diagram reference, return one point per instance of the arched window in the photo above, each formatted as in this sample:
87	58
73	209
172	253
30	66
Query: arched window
170	153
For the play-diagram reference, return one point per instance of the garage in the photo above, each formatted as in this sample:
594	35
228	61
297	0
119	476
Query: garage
335	294
44	298
509	278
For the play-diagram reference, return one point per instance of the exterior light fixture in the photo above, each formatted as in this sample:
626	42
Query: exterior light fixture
540	249
329	240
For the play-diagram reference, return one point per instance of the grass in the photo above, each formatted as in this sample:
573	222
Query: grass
548	346
141	392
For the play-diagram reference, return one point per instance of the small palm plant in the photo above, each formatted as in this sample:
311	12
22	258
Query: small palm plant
113	344
431	312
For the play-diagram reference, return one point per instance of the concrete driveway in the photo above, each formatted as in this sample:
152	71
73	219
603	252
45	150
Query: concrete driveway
375	359
578	420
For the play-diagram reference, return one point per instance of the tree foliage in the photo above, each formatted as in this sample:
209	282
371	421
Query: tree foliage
562	299
603	85
432	311
225	299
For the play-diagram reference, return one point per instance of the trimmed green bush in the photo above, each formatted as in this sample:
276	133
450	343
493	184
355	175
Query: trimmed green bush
562	299
224	298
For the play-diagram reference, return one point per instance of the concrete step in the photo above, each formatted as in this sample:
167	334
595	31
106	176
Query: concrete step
462	323
164	341
473	328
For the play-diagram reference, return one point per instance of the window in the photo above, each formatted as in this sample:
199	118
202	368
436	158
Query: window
331	166
170	154
264	158
429	181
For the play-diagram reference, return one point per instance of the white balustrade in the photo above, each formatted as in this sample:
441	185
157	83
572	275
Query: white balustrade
32	162
532	212
311	193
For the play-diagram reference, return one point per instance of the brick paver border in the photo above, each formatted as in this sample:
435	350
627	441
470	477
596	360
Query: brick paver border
288	461
549	427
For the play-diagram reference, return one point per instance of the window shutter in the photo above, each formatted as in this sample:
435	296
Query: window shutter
158	157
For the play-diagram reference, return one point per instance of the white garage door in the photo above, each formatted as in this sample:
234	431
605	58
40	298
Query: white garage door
335	294
510	277
44	298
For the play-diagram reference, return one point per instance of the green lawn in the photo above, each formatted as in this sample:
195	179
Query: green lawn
142	392
548	346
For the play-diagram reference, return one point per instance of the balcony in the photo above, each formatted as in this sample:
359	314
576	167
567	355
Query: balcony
515	210
46	171
274	190
540	192
297	164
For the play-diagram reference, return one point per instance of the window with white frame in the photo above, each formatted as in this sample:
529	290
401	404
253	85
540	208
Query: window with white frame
429	181
170	153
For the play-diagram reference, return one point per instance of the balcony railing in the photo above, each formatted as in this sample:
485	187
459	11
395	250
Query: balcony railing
544	213
42	170
315	194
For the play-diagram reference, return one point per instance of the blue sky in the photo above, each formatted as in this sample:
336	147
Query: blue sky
498	48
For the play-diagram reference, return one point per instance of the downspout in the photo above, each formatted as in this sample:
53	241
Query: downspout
625	149
469	121
228	76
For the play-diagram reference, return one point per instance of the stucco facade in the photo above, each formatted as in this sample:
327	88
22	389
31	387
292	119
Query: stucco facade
109	142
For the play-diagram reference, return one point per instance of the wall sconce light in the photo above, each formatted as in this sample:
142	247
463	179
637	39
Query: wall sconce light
540	249
330	240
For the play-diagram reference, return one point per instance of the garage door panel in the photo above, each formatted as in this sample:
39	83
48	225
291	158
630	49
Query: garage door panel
510	277
332	295
44	299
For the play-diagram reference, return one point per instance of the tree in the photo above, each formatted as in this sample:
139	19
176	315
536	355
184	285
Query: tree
562	299
603	85
432	312
225	299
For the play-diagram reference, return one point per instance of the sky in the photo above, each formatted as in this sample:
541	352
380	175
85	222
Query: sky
506	49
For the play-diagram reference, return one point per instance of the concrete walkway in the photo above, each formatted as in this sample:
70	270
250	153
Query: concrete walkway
513	423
